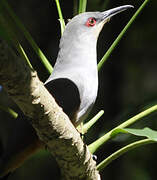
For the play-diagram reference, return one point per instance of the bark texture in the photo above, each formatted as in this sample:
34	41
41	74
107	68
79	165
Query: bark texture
51	124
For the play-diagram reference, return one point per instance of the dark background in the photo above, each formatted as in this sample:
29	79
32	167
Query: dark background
127	83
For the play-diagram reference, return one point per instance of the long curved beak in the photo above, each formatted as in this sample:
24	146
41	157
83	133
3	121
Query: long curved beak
106	15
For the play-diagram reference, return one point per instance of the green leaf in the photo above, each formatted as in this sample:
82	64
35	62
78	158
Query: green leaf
102	140
146	132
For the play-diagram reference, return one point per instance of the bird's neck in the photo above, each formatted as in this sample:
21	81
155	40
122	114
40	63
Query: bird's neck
78	51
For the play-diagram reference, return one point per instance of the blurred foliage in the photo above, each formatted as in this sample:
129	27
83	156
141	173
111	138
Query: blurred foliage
127	83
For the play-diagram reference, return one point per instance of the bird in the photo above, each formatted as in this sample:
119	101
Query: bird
74	80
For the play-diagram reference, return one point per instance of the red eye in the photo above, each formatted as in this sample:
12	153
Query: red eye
91	22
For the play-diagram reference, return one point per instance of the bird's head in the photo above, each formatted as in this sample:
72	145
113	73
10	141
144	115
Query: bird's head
91	23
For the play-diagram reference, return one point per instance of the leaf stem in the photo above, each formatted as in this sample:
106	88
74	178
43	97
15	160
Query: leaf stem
28	37
121	151
12	38
90	123
99	142
10	111
62	23
82	6
117	40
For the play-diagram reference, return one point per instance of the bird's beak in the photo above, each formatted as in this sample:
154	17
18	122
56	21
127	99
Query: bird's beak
106	15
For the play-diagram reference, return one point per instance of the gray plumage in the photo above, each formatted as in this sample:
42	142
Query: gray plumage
74	81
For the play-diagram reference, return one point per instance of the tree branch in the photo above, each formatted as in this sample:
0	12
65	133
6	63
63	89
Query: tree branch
51	124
